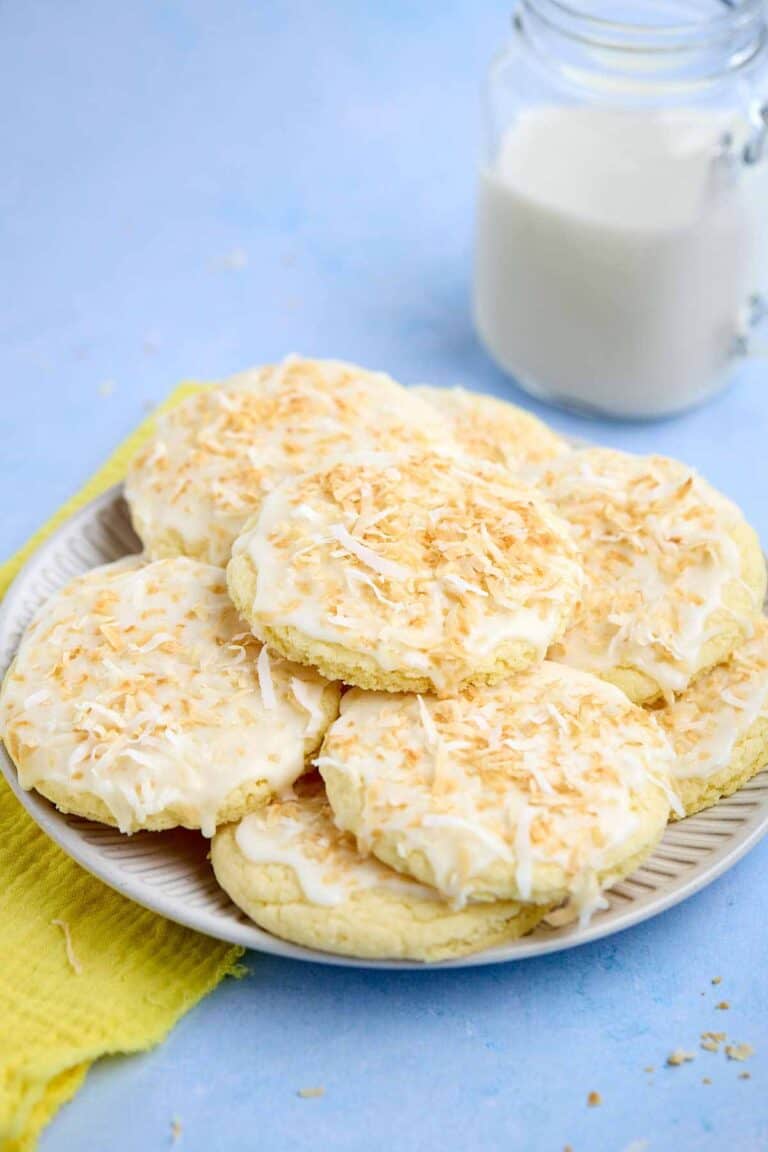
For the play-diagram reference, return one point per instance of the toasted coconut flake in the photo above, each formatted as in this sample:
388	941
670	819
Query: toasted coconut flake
308	697
496	570
163	710
379	564
463	585
510	787
428	723
37	698
659	548
266	686
72	959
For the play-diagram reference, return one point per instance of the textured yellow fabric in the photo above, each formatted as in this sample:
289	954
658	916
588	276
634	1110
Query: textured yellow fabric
137	973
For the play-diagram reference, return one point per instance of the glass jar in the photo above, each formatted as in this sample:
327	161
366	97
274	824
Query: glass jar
622	234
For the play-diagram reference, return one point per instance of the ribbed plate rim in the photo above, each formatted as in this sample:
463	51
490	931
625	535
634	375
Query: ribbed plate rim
735	824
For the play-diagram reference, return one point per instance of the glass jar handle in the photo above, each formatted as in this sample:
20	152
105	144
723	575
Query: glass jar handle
751	341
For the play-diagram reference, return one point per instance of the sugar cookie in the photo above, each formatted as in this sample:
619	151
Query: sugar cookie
675	576
547	787
718	727
214	457
492	429
406	572
138	698
296	875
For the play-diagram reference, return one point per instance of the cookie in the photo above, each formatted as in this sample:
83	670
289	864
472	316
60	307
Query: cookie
675	575
719	726
545	788
491	429
406	572
138	698
214	457
297	876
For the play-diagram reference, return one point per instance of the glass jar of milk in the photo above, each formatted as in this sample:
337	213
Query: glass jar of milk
622	236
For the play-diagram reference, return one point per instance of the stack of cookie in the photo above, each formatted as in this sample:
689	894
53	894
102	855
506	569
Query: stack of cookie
423	672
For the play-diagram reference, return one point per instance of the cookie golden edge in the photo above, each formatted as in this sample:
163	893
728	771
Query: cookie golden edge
371	924
168	544
743	600
160	541
549	887
728	626
511	433
335	662
212	543
750	756
249	796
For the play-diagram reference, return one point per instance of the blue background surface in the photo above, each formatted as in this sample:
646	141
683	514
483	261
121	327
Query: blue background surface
188	188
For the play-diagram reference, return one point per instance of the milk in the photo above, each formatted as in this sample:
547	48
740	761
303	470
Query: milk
617	252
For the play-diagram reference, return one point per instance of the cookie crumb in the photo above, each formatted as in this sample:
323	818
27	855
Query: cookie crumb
311	1093
723	1005
680	1056
745	1075
717	979
567	1148
711	1041
650	1068
706	1080
176	1130
594	1099
739	1051
72	959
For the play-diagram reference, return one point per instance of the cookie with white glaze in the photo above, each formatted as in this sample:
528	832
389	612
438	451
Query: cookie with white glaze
492	429
138	698
547	787
718	727
397	573
296	875
675	578
213	458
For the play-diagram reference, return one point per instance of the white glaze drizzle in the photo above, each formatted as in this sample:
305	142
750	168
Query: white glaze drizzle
152	697
301	835
545	770
215	456
660	556
420	593
707	721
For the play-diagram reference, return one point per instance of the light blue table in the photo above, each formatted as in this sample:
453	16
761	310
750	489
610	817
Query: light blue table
189	188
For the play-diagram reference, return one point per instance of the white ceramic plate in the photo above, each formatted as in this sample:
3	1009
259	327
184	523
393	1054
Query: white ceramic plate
169	871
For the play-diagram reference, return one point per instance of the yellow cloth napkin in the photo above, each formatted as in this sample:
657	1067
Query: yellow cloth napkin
83	971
